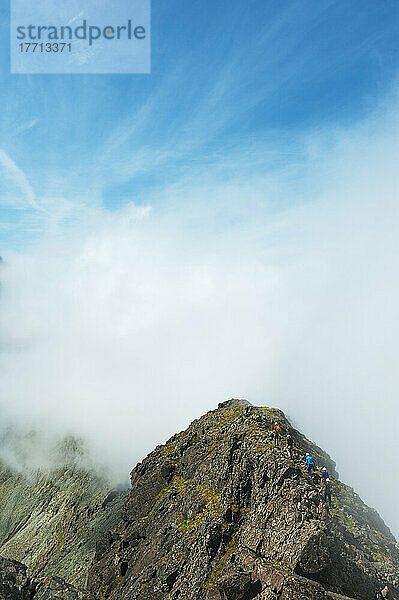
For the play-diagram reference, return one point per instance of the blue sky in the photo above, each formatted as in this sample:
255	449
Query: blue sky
227	78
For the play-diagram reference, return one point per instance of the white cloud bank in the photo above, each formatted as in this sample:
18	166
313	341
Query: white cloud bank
143	320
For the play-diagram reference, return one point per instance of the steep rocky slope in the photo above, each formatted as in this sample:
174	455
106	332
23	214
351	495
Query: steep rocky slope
219	513
51	520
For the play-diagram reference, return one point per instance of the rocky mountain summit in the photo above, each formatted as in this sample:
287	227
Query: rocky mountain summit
220	513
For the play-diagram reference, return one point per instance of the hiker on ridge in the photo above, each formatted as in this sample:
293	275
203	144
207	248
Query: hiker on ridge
327	493
324	475
309	463
276	434
290	445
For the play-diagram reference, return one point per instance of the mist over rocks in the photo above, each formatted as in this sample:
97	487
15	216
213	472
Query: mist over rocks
51	514
27	450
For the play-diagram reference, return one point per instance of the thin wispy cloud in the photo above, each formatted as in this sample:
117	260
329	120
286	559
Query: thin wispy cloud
17	190
80	15
27	126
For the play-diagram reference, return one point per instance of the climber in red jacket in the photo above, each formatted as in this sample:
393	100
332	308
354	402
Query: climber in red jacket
276	433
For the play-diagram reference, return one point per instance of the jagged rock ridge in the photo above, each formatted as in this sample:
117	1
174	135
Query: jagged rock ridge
218	513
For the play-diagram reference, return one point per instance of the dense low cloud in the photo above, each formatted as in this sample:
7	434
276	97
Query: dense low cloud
141	320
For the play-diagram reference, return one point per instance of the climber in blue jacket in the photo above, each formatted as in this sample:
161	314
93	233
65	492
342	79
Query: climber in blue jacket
309	463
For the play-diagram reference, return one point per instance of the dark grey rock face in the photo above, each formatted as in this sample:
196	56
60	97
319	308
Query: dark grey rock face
220	513
234	402
15	585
